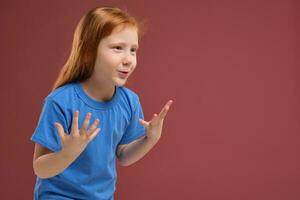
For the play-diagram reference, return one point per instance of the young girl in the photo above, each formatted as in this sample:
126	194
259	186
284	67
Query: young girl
90	118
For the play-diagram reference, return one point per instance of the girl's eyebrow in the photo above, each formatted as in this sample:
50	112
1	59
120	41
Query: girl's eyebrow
124	44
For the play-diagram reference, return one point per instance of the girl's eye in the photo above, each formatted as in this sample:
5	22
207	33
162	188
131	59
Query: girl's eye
118	47
121	48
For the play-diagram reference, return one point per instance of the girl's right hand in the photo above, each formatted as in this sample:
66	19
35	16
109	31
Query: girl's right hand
75	142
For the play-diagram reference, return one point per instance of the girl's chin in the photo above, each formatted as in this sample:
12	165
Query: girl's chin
120	82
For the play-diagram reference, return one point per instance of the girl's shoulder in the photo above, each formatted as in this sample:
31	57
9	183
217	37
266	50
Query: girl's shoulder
62	94
130	97
129	94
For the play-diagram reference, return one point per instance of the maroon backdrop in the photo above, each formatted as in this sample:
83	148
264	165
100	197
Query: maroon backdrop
231	67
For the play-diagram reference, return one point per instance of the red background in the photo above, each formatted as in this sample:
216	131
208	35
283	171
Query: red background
231	67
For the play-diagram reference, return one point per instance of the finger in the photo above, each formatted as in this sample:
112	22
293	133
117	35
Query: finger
93	134
166	107
154	119
60	130
154	116
74	129
165	110
94	126
144	123
85	122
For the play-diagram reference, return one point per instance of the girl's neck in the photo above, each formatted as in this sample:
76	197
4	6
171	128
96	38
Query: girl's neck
97	91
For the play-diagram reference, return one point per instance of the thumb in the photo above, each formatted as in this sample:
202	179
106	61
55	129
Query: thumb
144	123
60	130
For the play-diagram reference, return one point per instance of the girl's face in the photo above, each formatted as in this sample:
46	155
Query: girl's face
116	57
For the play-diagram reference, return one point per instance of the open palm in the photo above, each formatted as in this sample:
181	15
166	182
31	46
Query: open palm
77	140
154	126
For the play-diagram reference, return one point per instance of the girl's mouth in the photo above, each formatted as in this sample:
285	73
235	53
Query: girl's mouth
123	74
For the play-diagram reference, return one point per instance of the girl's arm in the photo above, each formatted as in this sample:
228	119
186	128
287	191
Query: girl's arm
132	152
47	164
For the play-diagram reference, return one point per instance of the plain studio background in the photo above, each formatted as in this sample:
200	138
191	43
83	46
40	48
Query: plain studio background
231	67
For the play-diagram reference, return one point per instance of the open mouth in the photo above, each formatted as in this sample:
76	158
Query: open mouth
123	74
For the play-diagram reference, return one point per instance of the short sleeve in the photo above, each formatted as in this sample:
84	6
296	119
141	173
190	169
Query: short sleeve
46	133
134	130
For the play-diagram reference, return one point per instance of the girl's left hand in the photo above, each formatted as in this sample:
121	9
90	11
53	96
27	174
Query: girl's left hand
154	126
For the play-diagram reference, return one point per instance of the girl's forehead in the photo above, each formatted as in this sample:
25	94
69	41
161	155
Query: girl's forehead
126	33
124	27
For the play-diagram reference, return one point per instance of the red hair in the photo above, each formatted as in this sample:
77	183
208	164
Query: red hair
95	25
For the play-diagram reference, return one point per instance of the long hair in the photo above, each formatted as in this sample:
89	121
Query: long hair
95	25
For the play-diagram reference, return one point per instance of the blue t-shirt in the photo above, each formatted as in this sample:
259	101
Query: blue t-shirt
93	174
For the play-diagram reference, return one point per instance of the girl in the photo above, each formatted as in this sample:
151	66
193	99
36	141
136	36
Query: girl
73	158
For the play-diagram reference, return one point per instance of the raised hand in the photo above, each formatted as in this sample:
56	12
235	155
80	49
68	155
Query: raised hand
75	142
154	126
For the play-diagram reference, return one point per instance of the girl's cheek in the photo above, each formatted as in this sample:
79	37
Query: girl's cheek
109	58
115	59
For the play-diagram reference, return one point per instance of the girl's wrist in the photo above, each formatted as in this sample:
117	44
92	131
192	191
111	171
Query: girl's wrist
153	139
70	155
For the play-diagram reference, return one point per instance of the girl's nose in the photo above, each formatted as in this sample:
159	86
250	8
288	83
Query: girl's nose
127	60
